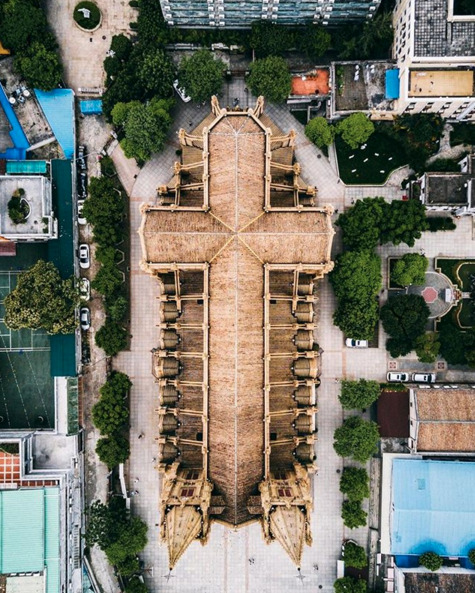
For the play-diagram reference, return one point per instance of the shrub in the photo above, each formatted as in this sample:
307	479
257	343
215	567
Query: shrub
135	585
441	223
354	482
356	438
111	337
18	209
358	394
94	18
471	556
271	78
353	514
430	560
320	132
355	556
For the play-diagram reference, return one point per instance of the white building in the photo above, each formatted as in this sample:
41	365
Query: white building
435	53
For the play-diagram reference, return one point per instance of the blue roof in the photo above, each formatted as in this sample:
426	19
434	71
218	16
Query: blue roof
433	507
26	167
19	139
30	533
392	84
91	107
58	107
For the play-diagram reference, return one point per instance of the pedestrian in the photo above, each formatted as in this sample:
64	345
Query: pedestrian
136	480
154	459
336	210
141	435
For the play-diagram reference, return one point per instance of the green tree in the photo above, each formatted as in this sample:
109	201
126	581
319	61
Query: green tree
111	412
116	308
113	450
145	126
108	280
135	585
104	522
410	269
157	73
105	209
354	482
350	585
403	222
356	438
270	77
430	560
355	556
22	24
404	319
132	540
358	394
40	66
356	275
427	347
361	223
314	41
270	39
111	337
357	318
355	129
129	566
121	46
201	75
108	256
353	514
42	299
320	132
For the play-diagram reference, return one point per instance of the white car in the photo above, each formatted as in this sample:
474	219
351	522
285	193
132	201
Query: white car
356	343
84	289
85	318
81	218
423	378
84	258
181	92
397	377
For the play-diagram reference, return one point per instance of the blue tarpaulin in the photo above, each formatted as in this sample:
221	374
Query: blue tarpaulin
392	84
91	107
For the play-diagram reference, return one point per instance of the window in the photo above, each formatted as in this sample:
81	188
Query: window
187	492
280	475
285	492
192	474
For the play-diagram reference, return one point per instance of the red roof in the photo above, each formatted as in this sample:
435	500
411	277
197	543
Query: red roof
393	414
7	248
311	84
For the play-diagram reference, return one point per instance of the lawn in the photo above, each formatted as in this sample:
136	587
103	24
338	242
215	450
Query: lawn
466	268
370	165
462	134
466	313
94	15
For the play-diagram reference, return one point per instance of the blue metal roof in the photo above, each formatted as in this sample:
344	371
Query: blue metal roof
392	84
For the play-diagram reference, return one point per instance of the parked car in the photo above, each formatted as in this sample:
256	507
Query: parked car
81	219
82	185
81	158
397	377
356	343
181	92
85	318
84	256
423	377
84	289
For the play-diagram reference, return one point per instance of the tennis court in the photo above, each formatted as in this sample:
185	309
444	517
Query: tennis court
26	385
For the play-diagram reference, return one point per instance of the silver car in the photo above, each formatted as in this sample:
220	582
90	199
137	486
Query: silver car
423	378
84	256
85	318
397	377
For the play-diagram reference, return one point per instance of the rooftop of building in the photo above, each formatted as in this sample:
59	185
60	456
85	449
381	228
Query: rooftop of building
393	412
446	419
447	189
436	36
311	83
428	582
449	82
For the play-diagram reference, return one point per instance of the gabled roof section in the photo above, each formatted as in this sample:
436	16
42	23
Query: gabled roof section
183	525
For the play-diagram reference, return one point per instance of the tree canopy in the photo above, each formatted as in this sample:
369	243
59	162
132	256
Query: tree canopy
108	279
132	539
430	560
354	482
427	347
320	132
356	438
111	412
355	556
358	394
104	522
145	126
410	269
111	337
42	299
157	72
201	75
361	223
40	66
135	585
353	514
356	281
105	209
403	222
404	319
270	39
113	450
271	78
350	585
22	24
355	129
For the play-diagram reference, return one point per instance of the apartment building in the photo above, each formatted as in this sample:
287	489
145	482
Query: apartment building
435	53
242	13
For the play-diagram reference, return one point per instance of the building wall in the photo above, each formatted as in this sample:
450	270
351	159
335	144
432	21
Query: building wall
241	13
